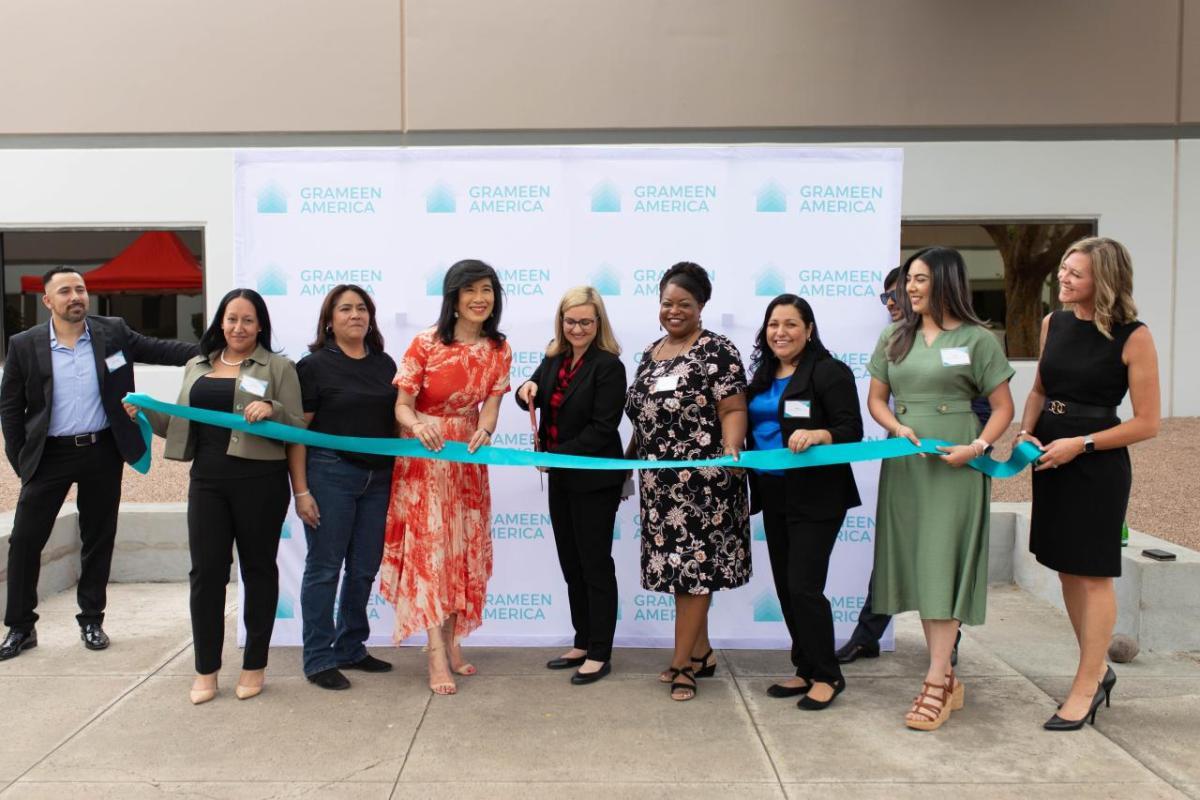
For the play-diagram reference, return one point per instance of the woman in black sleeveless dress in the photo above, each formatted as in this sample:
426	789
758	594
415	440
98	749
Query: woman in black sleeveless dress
1091	355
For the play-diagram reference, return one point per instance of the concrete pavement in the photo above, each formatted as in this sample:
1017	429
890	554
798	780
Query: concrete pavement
117	724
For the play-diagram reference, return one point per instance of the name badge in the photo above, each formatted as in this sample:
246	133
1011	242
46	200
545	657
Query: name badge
797	408
255	386
667	383
955	357
115	361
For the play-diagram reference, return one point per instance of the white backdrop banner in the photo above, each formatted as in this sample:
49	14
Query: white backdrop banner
822	223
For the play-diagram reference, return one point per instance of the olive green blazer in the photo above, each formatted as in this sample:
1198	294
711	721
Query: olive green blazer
282	392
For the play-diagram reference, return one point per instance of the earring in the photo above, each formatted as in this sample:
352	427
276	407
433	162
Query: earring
370	328
328	329
456	315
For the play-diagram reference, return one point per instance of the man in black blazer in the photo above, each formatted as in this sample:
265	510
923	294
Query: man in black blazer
60	409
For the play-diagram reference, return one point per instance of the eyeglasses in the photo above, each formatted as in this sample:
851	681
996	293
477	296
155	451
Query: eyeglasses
883	298
582	324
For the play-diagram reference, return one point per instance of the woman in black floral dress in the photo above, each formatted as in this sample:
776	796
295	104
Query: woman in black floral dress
687	401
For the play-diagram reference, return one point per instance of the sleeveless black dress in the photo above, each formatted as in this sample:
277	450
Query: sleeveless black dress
1079	508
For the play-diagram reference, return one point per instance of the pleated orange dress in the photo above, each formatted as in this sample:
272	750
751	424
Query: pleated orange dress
437	555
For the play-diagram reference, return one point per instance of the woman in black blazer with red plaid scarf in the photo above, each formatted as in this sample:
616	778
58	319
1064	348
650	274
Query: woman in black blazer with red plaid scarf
579	390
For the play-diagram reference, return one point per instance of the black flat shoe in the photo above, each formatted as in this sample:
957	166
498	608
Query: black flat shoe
369	663
93	636
584	678
852	651
565	663
330	678
706	669
808	704
1057	723
16	641
954	652
779	690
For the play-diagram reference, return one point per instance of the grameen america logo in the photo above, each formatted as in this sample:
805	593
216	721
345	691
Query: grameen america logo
272	281
272	199
606	198
769	282
440	200
771	198
606	280
767	608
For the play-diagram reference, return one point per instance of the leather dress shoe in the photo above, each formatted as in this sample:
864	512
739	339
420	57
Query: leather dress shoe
331	678
565	663
94	637
852	651
369	663
779	690
583	678
16	641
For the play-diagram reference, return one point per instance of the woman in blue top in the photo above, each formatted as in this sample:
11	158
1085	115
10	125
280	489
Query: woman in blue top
801	396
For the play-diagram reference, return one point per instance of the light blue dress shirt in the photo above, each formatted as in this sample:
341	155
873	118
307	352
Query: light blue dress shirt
76	406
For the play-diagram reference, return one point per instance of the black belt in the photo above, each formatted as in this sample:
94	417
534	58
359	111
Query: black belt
80	439
1066	409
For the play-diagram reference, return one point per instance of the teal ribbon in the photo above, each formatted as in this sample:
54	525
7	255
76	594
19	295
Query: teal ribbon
818	456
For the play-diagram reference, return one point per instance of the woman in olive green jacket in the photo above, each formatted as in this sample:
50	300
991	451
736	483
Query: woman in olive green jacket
239	492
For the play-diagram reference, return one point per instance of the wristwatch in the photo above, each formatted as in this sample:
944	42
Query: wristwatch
1089	444
987	446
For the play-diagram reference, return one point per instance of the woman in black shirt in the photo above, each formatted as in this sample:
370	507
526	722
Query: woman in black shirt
342	497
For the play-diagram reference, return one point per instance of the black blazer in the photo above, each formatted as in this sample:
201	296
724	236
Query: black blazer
27	387
588	417
819	493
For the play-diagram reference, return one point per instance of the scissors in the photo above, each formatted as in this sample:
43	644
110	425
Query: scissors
533	424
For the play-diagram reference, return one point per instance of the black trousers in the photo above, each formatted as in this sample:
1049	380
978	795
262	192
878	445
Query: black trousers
96	469
871	626
222	513
583	530
800	550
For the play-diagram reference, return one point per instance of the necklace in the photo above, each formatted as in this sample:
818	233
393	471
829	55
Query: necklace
229	363
681	348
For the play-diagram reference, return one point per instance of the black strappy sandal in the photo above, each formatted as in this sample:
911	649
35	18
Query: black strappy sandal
706	670
678	685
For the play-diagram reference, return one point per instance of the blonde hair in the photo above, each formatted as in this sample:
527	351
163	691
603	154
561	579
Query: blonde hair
1112	279
581	296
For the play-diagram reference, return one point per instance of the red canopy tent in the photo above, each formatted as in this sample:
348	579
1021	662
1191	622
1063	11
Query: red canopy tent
157	262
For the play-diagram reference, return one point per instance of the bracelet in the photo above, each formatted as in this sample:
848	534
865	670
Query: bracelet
485	430
298	495
1022	433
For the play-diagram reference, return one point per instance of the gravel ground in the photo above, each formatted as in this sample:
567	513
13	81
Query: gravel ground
1163	482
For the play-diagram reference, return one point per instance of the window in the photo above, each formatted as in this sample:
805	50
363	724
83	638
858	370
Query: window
1012	267
169	313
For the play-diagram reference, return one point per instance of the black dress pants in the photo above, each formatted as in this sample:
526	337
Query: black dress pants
583	530
800	550
871	626
96	469
223	512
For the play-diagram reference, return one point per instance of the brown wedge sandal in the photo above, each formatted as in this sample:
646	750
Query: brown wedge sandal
932	717
957	691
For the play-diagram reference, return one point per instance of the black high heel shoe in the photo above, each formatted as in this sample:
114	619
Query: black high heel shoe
808	704
1057	723
1110	680
706	670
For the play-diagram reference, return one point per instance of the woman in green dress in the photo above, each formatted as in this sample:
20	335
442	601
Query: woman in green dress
931	544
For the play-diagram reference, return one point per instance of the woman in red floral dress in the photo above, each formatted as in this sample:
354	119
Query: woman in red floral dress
438	550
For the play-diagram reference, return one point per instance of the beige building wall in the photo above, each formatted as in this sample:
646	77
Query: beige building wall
220	66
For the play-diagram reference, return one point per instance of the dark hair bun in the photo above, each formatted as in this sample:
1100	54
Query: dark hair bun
690	277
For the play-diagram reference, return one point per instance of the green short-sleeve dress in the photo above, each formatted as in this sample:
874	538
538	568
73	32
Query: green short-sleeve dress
931	542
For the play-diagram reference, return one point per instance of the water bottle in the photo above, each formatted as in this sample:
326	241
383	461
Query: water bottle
1125	534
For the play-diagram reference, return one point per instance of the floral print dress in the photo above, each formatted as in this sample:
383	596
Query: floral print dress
695	522
437	555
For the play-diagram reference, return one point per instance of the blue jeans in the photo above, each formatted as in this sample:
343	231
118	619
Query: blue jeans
353	502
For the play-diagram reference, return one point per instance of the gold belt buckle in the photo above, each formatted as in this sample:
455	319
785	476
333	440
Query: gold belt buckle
1057	407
